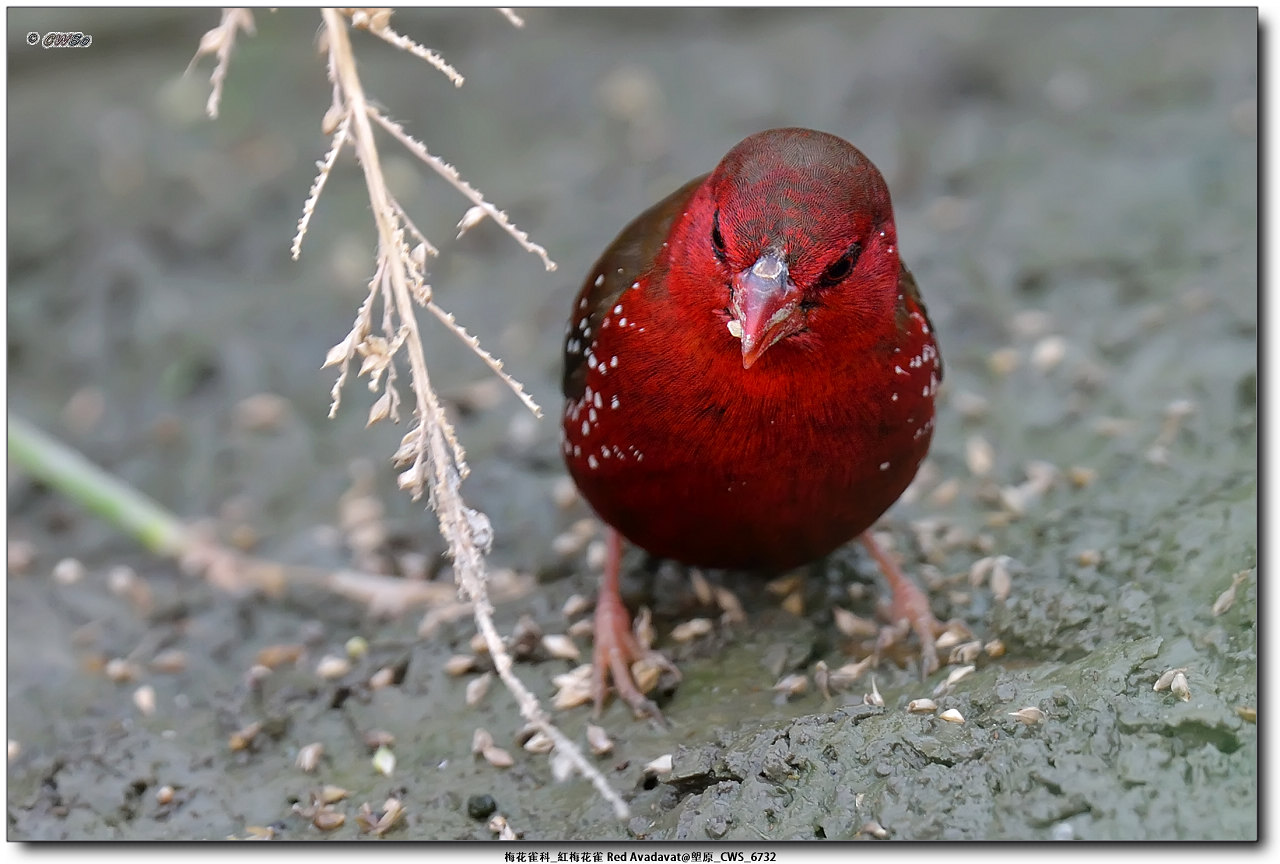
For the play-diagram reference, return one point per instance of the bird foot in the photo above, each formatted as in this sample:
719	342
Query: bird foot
617	654
908	611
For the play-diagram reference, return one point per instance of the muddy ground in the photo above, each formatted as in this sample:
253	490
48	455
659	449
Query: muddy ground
1076	192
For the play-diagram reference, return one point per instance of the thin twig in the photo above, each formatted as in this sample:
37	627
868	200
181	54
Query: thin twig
220	40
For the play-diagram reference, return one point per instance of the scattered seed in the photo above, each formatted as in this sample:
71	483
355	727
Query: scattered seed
169	662
692	629
145	699
497	757
560	646
874	829
1079	476
1179	687
242	738
1248	713
575	606
478	645
994	648
729	605
1001	578
330	794
309	757
662	765
477	688
1165	680
847	674
525	637
164	795
498	825
922	706
951	715
581	629
958	675
375	738
873	698
384	761
571	696
792	685
598	740
794	603
15	749
459	664
1048	353
853	626
979	456
701	587
1030	716
945	493
1228	597
539	742
68	571
379	823
1002	361
255	675
1089	558
481	739
971	406
596	554
948	638
328	820
642	627
332	666
356	647
564	493
120	670
645	673
384	677
274	656
965	653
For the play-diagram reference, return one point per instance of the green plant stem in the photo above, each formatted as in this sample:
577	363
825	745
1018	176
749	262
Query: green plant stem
70	473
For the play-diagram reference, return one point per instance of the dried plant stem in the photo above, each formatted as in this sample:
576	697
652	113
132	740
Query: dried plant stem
466	531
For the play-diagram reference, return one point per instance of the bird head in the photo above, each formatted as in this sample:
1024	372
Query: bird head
797	229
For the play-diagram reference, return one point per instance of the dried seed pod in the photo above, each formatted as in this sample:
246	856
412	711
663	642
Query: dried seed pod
873	698
598	740
853	626
497	757
144	698
477	688
1179	687
662	765
560	646
275	656
328	820
459	664
951	715
922	706
1030	716
309	756
384	761
692	629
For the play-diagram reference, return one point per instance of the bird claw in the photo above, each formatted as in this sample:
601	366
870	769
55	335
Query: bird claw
614	655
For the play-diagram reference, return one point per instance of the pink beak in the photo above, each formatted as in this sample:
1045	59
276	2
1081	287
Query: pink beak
765	304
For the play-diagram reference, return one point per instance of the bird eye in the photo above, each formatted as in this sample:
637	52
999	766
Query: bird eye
842	266
717	239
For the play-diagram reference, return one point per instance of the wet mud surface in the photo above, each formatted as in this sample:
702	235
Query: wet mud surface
1076	195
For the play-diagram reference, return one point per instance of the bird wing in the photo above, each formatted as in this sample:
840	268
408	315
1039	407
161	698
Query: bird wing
912	301
629	257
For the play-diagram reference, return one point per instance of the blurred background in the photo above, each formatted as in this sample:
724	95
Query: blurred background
1076	193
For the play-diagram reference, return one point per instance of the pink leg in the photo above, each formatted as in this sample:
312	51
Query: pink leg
615	645
909	604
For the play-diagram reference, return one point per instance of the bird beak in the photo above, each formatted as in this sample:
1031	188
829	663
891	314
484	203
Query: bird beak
765	305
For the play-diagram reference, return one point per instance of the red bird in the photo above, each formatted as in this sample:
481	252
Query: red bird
749	377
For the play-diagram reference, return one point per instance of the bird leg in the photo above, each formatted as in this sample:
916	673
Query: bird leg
910	608
616	647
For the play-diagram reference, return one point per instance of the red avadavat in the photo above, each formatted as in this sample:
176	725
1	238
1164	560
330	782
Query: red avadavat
750	376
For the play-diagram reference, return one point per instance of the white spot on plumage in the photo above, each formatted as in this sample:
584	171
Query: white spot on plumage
894	397
596	401
591	415
897	369
599	280
614	404
613	362
593	461
622	322
884	466
617	310
586	428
